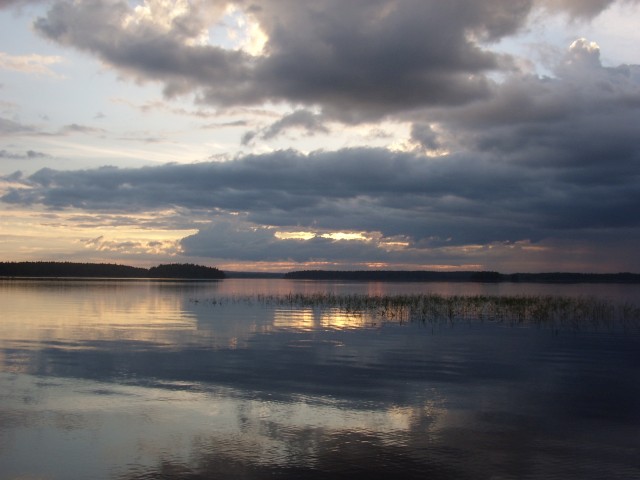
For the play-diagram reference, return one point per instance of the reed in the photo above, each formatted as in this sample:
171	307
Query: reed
548	310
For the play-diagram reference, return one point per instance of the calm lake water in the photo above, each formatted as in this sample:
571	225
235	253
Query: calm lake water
152	380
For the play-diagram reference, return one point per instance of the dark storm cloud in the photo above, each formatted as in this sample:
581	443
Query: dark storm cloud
357	59
584	122
425	136
236	239
365	59
452	200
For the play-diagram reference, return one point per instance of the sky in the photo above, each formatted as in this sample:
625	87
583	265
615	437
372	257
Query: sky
284	135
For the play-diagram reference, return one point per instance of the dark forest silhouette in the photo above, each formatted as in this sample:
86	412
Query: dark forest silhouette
487	277
191	271
107	270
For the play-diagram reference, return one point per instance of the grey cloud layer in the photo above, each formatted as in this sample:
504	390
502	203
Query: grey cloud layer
465	199
357	60
233	239
540	158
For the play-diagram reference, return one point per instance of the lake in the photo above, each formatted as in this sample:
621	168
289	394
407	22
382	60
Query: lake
111	379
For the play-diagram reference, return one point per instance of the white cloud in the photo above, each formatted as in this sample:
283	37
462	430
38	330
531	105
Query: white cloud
30	64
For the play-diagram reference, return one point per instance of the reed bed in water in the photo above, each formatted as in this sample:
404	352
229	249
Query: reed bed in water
573	312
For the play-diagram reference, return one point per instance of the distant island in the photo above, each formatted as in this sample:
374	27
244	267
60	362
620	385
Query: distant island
106	270
465	276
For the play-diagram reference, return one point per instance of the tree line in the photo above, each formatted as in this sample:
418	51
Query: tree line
107	270
463	276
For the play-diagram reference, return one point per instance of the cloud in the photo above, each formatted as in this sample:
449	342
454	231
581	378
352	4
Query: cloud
310	122
133	247
217	125
76	128
9	127
235	238
402	56
32	64
17	3
583	120
425	136
497	158
29	154
449	200
580	9
542	159
147	45
164	106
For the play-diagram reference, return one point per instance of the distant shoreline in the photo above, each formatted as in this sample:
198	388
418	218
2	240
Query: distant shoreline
465	276
99	271
116	279
190	272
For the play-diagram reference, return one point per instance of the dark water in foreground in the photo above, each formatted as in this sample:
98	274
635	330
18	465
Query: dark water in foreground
150	380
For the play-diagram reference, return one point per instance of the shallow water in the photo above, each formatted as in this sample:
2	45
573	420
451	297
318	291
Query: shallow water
142	379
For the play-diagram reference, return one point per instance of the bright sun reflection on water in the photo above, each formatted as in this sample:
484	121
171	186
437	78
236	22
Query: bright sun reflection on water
306	319
297	319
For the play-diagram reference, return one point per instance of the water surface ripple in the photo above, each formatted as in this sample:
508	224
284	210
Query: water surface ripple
165	380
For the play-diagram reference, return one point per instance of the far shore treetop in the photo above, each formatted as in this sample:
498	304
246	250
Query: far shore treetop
105	270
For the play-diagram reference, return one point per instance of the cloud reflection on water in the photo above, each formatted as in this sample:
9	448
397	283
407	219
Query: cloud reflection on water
158	382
